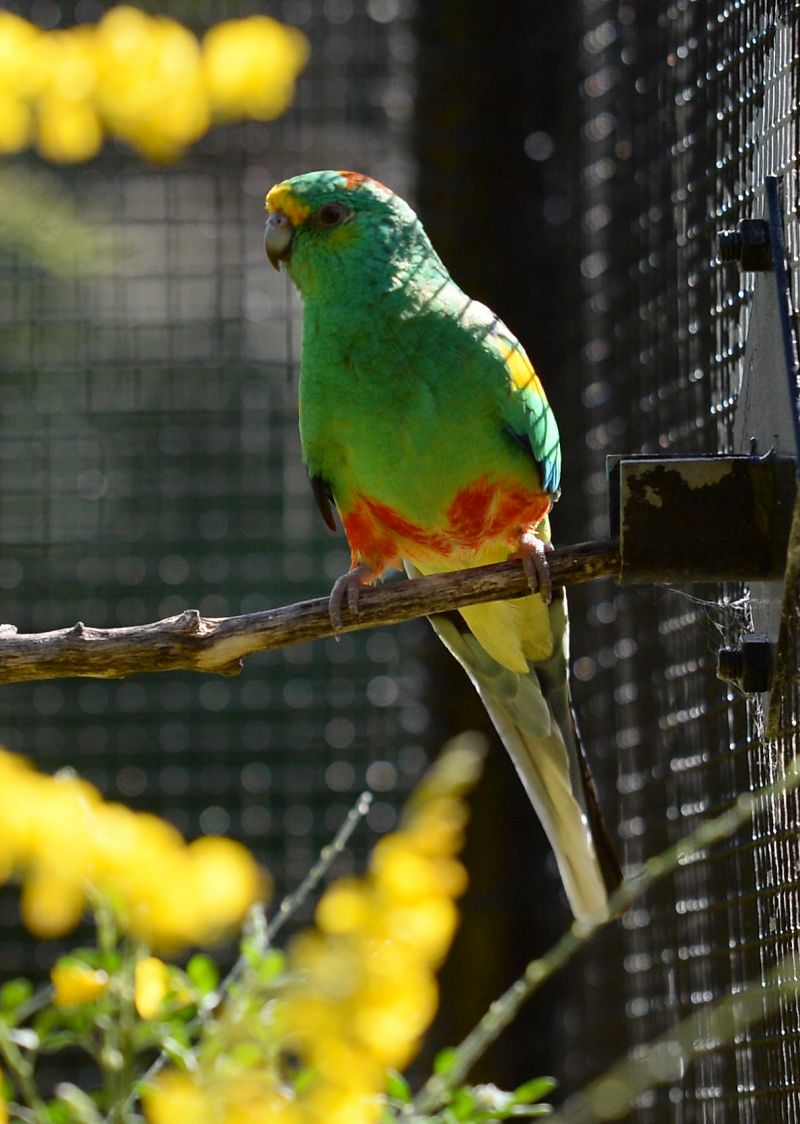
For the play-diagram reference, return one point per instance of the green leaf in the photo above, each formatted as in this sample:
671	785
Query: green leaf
464	1104
81	1020
181	1033
518	1112
304	1079
203	973
47	1020
56	1040
82	1106
252	951
58	1113
533	1091
110	960
445	1060
397	1087
14	993
177	1051
271	965
245	1055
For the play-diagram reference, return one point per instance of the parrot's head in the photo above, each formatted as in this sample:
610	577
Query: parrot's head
342	233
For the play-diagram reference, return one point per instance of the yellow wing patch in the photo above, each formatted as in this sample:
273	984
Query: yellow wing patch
282	198
519	366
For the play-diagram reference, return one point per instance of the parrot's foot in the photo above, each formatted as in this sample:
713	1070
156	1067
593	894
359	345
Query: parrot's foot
347	586
534	562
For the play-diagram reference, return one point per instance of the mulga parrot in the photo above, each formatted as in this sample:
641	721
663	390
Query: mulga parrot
423	421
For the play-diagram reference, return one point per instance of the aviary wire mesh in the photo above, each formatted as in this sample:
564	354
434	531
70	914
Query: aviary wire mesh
150	463
687	106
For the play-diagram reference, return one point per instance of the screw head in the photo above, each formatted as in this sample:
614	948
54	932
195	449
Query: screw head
749	665
748	245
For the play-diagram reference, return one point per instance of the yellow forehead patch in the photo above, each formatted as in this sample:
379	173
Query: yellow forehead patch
281	198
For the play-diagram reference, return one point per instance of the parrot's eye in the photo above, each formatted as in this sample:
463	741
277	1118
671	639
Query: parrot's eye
331	214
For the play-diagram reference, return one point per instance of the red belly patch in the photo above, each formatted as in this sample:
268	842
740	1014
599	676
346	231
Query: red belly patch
485	511
488	510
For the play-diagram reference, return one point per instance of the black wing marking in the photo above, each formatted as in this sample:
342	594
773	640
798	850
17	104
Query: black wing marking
324	500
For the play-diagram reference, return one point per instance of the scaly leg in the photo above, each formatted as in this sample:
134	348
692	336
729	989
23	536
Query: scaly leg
533	551
347	586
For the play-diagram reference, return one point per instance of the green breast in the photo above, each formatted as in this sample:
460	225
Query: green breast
404	403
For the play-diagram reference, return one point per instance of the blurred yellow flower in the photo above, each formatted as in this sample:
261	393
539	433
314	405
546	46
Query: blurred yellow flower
175	1098
51	904
250	67
69	846
16	123
68	60
366	987
226	886
252	1099
150	986
75	983
69	130
150	83
360	988
21	72
143	79
68	126
345	907
182	1098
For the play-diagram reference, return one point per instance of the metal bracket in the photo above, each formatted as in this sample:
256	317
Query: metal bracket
701	519
767	418
768	404
734	518
716	519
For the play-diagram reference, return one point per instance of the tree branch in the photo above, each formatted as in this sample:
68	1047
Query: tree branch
218	644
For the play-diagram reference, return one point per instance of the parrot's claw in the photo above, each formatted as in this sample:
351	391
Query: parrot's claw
534	562
347	586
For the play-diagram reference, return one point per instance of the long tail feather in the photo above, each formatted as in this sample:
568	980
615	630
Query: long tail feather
533	715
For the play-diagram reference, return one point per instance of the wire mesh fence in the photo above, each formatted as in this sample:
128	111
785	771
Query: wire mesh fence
686	108
149	462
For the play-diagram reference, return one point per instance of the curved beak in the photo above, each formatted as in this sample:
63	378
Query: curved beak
278	238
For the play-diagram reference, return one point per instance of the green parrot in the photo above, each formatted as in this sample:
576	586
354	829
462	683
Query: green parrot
422	420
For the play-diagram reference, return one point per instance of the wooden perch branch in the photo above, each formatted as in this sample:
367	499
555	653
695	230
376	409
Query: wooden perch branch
218	644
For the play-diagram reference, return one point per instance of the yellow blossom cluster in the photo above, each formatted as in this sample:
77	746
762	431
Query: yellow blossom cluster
145	80
75	983
69	846
361	987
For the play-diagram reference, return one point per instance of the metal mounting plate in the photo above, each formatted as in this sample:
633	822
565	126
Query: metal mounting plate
767	418
701	519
